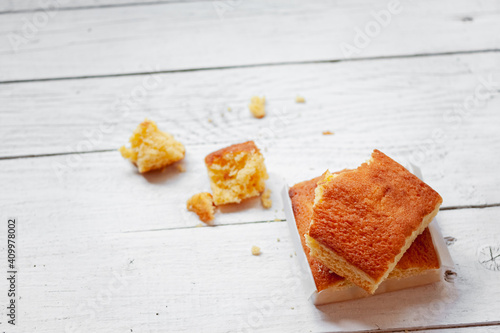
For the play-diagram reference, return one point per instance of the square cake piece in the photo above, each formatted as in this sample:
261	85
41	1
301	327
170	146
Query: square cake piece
364	220
419	259
236	173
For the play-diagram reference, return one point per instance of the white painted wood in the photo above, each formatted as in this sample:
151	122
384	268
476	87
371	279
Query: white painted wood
396	102
206	280
197	35
10	6
396	112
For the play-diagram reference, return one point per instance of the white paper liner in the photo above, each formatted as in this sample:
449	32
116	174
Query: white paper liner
331	295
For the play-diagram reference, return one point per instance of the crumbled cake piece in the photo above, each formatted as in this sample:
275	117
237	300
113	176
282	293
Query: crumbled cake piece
236	172
255	250
300	99
327	133
365	219
266	200
202	204
152	149
257	106
180	168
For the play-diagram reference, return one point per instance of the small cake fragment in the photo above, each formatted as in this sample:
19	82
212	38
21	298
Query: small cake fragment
327	133
364	220
300	99
152	149
236	173
180	168
255	250
202	204
257	106
266	200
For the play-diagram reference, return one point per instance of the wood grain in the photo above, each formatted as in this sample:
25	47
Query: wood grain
178	36
98	280
363	103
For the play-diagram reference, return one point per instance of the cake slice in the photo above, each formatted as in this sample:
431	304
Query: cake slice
420	258
236	173
364	220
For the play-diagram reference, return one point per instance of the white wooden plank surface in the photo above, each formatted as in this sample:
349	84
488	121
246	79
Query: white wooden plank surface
189	35
10	6
105	249
206	280
366	101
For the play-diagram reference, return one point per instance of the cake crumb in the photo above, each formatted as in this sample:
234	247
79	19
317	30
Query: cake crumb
327	133
278	240
152	149
180	168
210	120
203	205
229	109
276	219
257	106
266	200
300	99
255	250
199	225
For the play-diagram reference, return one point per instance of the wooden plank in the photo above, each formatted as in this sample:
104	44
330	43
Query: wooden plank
206	280
145	38
367	101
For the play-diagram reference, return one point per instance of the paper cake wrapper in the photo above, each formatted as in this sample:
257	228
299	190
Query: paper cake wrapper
354	292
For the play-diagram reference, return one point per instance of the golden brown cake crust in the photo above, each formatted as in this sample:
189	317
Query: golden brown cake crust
366	215
302	197
248	146
420	256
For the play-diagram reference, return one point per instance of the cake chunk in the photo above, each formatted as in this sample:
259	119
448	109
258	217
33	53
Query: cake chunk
420	257
236	172
203	205
152	149
364	220
257	106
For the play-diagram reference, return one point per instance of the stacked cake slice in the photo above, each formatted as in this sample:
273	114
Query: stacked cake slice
366	225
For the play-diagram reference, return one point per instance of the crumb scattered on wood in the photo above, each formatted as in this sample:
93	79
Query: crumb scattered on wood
300	99
327	133
180	168
255	250
203	205
257	106
266	200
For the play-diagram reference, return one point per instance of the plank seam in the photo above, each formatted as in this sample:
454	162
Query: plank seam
130	4
432	327
273	64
